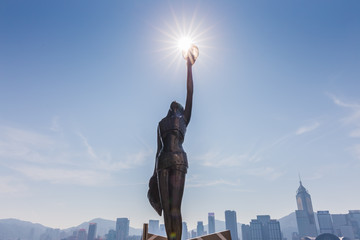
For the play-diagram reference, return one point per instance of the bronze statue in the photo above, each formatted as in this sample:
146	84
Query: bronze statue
166	186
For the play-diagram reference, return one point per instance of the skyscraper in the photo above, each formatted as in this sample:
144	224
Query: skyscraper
92	231
325	222
122	228
231	224
354	218
200	229
245	232
211	223
305	217
262	228
184	234
154	227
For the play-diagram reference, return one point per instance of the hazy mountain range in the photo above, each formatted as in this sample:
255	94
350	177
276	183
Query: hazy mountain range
14	229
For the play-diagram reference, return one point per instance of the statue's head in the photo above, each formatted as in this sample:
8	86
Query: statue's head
175	109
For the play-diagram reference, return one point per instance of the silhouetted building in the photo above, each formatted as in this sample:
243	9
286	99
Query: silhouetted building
200	229
184	234
92	231
122	228
325	222
305	217
154	227
211	223
231	224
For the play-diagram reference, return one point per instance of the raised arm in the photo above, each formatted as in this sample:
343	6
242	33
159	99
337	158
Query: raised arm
190	90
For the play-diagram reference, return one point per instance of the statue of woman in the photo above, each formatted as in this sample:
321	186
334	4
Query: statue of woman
166	186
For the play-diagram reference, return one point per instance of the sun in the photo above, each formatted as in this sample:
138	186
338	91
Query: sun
179	36
185	43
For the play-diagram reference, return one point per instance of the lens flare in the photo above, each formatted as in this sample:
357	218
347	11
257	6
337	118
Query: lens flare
185	44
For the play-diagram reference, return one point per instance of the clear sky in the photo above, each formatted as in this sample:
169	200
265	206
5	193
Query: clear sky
83	85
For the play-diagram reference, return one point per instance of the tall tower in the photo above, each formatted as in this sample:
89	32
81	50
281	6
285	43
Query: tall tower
211	223
184	234
231	224
122	228
305	215
92	231
200	229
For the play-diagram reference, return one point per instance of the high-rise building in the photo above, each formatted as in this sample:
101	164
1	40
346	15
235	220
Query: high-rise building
343	226
81	235
354	218
92	231
325	222
200	229
184	234
262	228
211	223
339	220
162	230
154	227
193	234
245	232
256	230
305	216
231	224
274	230
122	228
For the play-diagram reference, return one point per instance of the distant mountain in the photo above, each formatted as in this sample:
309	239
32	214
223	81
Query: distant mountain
288	225
14	229
17	229
103	227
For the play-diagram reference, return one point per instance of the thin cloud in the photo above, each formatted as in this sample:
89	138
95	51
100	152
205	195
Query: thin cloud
197	184
269	173
127	162
353	118
89	148
307	128
215	159
63	176
355	133
11	185
355	107
51	158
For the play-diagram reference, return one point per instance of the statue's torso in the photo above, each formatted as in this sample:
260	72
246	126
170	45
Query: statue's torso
172	154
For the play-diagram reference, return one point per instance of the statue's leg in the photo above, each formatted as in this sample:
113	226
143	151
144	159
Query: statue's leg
164	186
177	181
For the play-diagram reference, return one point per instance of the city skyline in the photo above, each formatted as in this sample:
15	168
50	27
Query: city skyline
83	85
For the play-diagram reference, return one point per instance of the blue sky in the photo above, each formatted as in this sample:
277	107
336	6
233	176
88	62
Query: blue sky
83	85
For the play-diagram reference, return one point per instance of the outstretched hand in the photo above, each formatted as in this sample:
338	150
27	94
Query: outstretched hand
190	59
